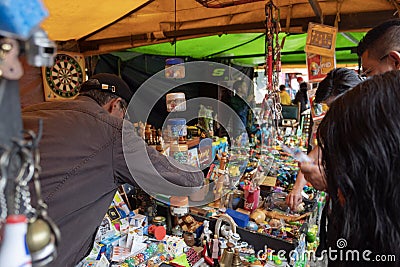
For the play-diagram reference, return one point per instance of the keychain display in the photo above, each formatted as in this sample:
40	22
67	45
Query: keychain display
14	250
40	235
4	159
273	58
43	234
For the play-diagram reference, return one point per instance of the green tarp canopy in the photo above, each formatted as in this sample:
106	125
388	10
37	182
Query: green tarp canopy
248	48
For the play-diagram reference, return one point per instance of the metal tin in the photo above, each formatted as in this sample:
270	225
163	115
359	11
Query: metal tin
160	221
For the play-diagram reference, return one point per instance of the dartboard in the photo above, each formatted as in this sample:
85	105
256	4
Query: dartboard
65	76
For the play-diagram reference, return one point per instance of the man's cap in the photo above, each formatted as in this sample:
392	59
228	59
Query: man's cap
300	79
110	83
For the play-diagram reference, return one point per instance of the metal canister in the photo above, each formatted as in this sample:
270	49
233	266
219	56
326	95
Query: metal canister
160	221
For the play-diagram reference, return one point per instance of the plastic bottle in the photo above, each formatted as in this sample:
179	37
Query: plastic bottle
14	250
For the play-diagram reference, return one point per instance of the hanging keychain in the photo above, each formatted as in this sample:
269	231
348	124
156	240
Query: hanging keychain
43	234
22	199
4	159
14	251
271	107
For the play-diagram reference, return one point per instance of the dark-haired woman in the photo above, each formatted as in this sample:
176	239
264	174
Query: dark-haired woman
336	83
361	161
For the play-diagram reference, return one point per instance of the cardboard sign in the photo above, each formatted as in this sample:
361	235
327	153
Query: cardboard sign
193	157
319	66
205	153
321	39
269	181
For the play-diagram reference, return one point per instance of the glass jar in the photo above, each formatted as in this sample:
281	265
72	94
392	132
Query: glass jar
176	128
179	152
176	102
189	239
174	68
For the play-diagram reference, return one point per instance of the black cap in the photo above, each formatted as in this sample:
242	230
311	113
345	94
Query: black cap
110	83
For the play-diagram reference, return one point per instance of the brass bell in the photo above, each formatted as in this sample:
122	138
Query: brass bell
42	240
38	235
237	262
227	256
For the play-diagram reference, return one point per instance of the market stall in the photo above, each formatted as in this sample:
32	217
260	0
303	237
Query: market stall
238	218
172	232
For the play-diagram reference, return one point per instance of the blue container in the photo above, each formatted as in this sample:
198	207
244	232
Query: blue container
19	17
176	128
240	219
173	61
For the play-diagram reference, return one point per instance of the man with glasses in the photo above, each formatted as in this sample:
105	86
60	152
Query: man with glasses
86	151
380	52
380	48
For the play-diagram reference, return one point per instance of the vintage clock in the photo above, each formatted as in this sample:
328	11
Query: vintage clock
64	78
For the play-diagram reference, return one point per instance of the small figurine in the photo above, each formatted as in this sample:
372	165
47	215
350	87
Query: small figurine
234	239
206	235
222	245
222	177
141	130
215	250
226	231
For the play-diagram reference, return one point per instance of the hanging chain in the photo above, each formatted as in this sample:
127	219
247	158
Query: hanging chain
28	154
4	160
24	175
272	63
21	160
269	46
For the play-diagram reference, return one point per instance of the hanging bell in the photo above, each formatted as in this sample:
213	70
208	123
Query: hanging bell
42	239
227	256
237	262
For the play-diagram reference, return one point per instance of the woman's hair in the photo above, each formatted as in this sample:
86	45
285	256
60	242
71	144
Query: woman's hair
361	158
337	82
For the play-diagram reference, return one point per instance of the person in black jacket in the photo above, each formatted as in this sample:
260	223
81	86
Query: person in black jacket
302	97
241	103
87	151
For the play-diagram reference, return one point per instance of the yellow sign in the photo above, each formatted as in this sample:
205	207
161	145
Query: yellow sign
269	181
319	66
